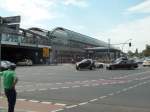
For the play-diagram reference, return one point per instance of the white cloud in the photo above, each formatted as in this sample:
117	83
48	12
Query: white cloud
36	12
138	31
80	3
31	11
143	7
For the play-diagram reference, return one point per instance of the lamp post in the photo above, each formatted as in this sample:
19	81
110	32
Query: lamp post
109	49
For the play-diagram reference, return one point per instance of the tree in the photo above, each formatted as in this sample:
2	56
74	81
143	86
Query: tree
136	53
130	54
146	52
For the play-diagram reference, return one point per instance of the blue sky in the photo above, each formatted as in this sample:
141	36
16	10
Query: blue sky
118	20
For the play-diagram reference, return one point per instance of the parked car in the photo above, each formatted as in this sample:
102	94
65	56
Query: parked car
146	62
122	64
25	62
85	64
6	65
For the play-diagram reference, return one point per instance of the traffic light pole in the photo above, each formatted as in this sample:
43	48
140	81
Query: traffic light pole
126	43
0	65
1	22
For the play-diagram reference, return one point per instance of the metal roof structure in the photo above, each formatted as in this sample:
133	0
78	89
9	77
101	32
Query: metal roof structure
71	35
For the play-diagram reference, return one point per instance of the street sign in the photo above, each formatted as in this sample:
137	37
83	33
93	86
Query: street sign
14	26
12	19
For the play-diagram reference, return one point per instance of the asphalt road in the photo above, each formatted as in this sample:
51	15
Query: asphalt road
97	90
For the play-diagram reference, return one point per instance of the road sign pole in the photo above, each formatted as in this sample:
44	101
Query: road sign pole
1	89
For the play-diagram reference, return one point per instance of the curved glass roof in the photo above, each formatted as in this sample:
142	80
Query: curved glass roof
71	35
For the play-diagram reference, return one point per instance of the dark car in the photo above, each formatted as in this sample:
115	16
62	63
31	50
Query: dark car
122	64
6	65
85	64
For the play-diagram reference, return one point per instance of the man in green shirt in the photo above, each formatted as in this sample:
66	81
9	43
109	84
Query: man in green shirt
9	82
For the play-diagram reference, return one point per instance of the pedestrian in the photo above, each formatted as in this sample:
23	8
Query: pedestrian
9	82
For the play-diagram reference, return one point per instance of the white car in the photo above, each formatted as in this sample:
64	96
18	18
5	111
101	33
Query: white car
25	62
146	62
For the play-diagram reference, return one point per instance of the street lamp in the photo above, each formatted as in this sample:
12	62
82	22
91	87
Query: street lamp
109	49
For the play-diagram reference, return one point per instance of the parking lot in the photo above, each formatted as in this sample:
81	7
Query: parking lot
65	89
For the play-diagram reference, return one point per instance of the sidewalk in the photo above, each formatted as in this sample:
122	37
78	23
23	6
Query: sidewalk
30	106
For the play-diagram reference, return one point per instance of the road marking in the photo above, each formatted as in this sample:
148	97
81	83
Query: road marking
71	106
118	92
75	86
111	94
102	97
46	102
21	99
43	89
95	84
65	87
93	100
57	110
59	83
34	101
31	90
83	103
61	104
86	85
54	88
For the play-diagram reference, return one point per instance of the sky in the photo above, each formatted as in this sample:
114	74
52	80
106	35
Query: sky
120	21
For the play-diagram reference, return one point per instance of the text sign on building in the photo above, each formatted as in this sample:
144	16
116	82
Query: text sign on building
45	52
12	19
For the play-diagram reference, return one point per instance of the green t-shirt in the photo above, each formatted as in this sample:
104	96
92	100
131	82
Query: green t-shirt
8	78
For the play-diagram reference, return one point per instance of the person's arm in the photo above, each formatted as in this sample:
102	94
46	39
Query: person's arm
15	81
1	73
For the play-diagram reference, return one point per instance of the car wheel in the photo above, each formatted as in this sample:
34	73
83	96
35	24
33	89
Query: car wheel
77	68
91	68
112	68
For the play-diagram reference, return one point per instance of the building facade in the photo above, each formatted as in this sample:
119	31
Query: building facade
59	45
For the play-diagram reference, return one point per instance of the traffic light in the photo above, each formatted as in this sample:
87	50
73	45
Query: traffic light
130	44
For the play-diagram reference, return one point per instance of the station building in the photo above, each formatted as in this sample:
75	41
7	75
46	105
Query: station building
58	45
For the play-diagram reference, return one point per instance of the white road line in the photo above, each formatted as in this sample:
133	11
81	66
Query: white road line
86	85
111	94
75	86
125	89
34	101
43	89
46	102
31	90
59	83
61	104
93	100
57	110
71	106
118	92
95	84
83	103
65	87
102	97
21	99
54	88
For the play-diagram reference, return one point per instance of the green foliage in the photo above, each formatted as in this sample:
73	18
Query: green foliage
146	52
